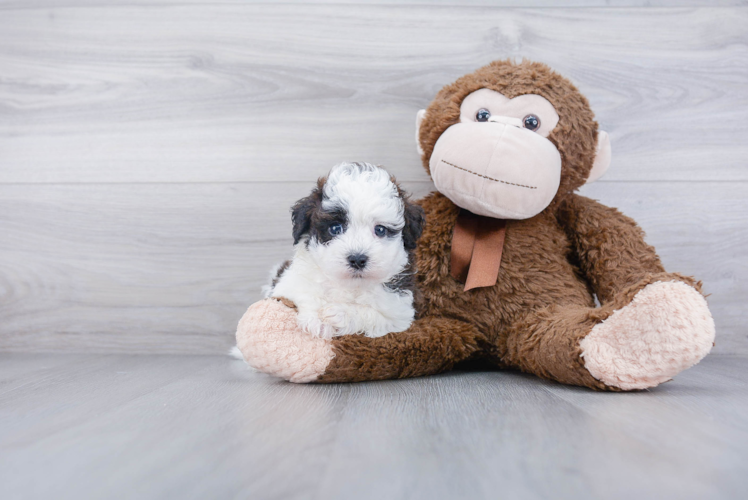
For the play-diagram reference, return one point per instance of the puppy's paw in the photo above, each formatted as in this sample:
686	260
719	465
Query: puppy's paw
312	324
336	318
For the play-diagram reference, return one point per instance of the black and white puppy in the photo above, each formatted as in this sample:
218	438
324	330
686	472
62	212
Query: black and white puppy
352	270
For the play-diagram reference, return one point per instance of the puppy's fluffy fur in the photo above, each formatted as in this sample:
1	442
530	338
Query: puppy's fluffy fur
352	270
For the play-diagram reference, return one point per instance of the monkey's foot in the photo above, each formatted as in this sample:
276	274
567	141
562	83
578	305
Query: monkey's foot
666	329
271	341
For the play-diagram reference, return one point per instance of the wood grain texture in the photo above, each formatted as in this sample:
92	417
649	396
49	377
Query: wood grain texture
223	93
119	426
172	267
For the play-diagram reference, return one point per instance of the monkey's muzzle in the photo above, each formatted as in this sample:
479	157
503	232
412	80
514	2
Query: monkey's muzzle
496	169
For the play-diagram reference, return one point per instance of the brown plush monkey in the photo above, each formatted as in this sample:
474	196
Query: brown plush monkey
511	259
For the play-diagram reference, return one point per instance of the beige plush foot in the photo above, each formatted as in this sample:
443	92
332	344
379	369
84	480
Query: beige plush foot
664	330
271	341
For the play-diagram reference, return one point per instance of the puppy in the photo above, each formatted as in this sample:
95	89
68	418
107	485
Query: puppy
352	270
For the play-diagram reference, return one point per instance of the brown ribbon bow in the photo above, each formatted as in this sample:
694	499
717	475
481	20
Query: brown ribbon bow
477	244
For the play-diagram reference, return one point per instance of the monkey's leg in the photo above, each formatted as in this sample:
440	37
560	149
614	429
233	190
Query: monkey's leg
271	341
644	336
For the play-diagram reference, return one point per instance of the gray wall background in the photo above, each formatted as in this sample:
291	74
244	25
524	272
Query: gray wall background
149	153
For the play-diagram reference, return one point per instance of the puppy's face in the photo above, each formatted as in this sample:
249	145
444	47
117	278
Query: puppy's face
357	225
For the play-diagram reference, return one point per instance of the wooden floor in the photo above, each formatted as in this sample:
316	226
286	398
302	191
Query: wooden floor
129	426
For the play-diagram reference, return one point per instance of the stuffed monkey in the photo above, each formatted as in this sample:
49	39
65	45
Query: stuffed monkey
511	259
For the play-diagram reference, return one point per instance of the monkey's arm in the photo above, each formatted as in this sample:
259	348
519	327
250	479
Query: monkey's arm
431	345
271	342
611	249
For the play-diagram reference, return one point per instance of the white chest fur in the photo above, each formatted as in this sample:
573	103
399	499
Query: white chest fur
328	308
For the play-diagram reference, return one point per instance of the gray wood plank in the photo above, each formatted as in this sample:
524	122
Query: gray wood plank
166	427
596	457
20	372
86	378
708	394
225	93
146	427
172	267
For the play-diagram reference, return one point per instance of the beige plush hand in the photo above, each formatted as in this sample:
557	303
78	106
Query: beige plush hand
271	341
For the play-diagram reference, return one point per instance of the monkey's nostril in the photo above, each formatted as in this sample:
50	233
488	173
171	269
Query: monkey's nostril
357	261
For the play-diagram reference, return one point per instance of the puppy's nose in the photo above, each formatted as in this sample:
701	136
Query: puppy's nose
357	261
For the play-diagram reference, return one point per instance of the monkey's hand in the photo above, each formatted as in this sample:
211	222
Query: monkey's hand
271	340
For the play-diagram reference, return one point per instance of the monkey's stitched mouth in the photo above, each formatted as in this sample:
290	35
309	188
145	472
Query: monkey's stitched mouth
486	177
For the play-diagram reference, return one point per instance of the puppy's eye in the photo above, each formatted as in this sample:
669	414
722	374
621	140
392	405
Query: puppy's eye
380	231
482	115
335	229
531	122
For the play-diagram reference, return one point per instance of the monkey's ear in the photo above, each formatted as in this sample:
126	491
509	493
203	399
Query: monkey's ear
419	118
414	221
603	155
301	215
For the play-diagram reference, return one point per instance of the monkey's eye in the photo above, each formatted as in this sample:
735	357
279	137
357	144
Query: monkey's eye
335	229
482	115
531	122
380	231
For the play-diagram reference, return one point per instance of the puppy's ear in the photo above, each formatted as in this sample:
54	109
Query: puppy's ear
414	221
301	212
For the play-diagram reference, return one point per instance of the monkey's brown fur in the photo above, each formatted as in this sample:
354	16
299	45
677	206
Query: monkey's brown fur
543	305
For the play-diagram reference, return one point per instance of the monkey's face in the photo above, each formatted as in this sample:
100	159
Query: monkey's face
497	161
510	140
